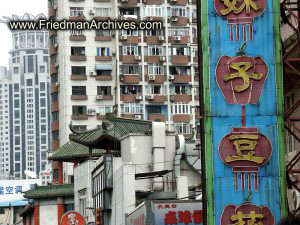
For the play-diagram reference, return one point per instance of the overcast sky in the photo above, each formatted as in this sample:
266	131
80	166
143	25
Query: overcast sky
17	7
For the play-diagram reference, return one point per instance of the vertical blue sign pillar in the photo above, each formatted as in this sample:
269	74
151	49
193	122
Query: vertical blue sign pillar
243	111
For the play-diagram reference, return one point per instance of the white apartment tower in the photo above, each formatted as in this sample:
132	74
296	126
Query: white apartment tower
25	104
141	74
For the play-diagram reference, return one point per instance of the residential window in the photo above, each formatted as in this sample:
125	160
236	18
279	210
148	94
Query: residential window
54	97
77	50
180	70
43	102
79	110
155	69
42	86
153	10
82	202
16	103
180	50
78	90
22	39
80	127
16	70
30	64
102	12
43	128
183	128
43	112
130	69
55	116
155	50
131	107
30	40
78	70
131	50
181	108
105	109
130	32
40	41
101	72
131	89
181	89
76	32
104	90
103	51
104	33
156	89
154	33
76	11
42	69
179	32
181	11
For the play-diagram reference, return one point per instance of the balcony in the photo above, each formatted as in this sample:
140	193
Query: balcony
79	97
100	117
77	18
156	117
103	58
55	106
179	21
153	2
180	59
103	38
181	98
78	77
129	116
54	87
76	0
158	79
184	118
129	39
183	40
53	69
182	79
195	40
104	97
101	0
55	144
102	18
130	78
178	2
78	57
51	12
77	38
55	125
52	51
104	77
155	40
153	59
52	33
157	99
130	97
129	59
129	2
79	117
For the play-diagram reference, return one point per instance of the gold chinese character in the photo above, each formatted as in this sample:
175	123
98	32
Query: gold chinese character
231	6
244	142
242	68
240	217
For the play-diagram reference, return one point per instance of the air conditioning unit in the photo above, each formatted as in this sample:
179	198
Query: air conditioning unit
173	1
92	74
197	143
171	77
139	97
124	1
172	98
91	112
123	37
151	77
144	1
138	58
149	18
174	18
123	18
161	38
99	97
177	38
162	58
150	97
91	13
121	77
138	117
55	45
56	84
113	53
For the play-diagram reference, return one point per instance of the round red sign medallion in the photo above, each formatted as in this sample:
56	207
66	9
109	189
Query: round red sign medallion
72	218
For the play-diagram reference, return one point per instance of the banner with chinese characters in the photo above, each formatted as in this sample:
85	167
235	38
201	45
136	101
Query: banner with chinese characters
242	80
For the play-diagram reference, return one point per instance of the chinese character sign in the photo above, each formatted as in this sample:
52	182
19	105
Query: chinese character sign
241	79
72	218
247	214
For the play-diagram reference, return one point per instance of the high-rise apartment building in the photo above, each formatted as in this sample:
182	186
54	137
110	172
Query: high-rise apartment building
25	104
141	74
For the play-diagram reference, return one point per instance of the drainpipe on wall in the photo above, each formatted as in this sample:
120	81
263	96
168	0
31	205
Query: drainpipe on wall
158	151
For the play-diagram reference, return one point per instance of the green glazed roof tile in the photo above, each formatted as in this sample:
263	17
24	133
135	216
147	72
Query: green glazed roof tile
50	191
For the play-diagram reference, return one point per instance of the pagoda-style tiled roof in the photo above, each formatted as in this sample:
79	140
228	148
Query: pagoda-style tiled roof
50	191
73	151
112	130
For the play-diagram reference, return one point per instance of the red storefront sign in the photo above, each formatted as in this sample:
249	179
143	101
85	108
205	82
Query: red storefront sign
72	218
245	150
241	79
184	217
240	12
247	214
